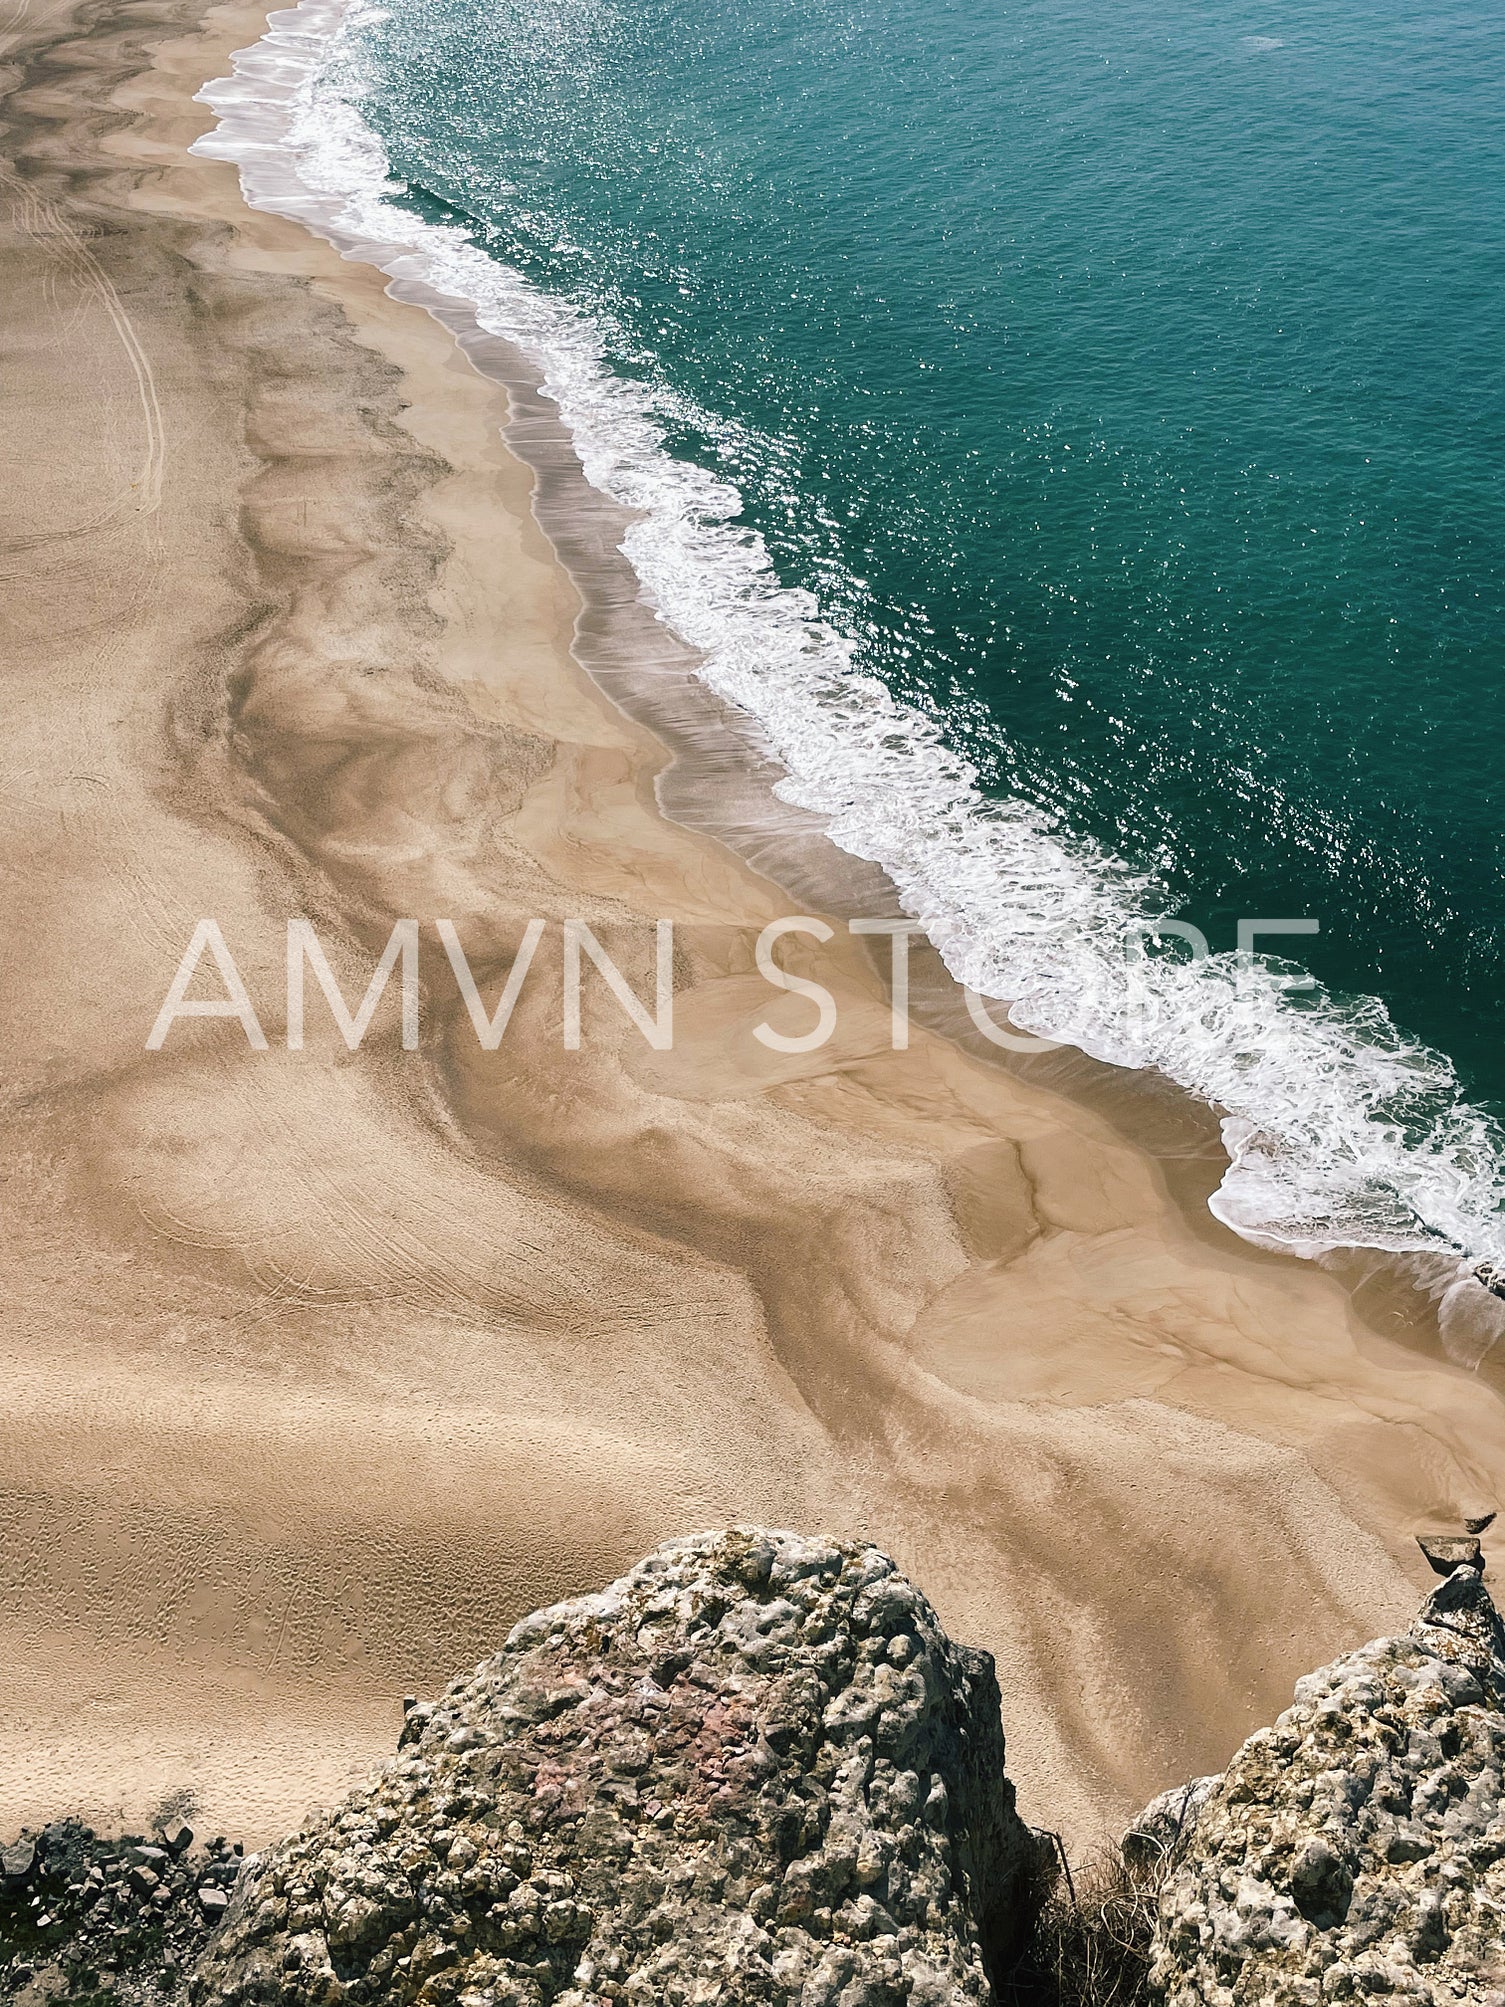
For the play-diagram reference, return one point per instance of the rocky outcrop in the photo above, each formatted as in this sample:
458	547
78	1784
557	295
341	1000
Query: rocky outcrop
1357	1848
754	1769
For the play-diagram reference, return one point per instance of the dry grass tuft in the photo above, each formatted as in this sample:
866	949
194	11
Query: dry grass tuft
1090	1942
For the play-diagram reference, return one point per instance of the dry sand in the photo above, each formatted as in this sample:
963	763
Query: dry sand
321	1368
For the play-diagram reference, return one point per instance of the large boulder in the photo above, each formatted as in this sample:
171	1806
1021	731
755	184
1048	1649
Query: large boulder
754	1769
1357	1848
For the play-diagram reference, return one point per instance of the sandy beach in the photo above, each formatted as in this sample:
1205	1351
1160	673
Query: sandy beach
323	1367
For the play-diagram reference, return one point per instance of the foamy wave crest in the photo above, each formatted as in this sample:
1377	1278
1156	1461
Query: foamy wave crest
1341	1130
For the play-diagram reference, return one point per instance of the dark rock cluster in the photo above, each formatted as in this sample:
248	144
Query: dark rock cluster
90	1919
754	1769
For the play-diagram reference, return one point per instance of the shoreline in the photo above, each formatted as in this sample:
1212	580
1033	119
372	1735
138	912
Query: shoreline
799	1270
723	773
1001	898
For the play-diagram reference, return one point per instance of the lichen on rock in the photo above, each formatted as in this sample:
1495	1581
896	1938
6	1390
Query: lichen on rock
1357	1847
754	1769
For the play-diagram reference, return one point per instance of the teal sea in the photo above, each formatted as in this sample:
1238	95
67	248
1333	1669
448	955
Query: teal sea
1074	431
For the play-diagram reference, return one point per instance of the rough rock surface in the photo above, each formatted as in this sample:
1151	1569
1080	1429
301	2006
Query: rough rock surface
1165	1823
1357	1848
754	1769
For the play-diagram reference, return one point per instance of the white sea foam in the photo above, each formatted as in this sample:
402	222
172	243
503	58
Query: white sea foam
1341	1131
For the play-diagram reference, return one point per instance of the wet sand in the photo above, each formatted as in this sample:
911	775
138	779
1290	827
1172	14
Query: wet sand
320	1367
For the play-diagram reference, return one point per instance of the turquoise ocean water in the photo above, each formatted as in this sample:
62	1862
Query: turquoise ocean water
1120	386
